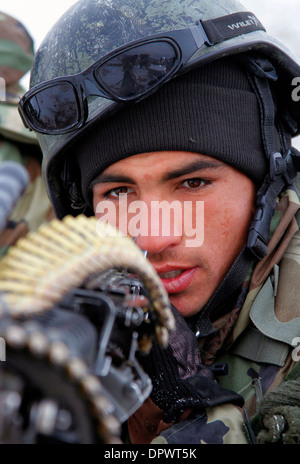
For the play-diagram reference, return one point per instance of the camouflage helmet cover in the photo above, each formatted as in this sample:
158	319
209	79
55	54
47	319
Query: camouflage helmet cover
92	28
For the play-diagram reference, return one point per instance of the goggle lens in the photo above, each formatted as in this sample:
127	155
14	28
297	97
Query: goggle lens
134	72
54	107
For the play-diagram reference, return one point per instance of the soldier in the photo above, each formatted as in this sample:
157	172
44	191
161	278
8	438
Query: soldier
16	142
188	102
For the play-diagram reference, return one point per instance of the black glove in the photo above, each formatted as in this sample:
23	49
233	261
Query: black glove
179	379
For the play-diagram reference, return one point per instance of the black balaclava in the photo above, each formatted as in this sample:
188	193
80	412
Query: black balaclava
211	110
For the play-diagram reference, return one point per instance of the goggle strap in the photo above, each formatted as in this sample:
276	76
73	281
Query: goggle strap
229	26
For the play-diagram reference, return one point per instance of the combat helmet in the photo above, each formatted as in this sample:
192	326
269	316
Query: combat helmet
93	29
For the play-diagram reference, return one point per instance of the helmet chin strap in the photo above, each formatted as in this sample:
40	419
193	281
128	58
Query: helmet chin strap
282	173
283	166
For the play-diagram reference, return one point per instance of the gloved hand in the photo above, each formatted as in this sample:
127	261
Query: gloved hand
180	381
279	414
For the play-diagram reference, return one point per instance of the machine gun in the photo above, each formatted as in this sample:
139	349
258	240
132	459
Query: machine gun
79	303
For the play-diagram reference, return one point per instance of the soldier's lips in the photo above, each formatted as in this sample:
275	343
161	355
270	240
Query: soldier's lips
177	280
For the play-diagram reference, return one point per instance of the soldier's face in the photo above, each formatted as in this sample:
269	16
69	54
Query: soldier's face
193	248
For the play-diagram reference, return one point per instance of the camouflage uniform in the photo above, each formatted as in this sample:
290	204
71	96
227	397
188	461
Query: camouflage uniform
17	143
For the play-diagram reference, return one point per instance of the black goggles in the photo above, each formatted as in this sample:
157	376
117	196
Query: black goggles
128	74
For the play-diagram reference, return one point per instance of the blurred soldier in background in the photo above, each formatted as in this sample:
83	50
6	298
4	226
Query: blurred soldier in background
17	143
